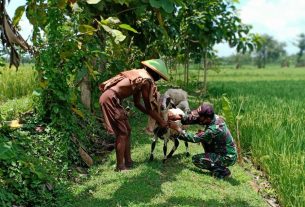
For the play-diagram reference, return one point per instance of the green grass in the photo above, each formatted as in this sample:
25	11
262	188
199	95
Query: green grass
272	125
16	88
175	183
15	84
272	132
12	108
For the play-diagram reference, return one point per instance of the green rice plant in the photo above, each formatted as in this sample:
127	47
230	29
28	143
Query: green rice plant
15	84
272	128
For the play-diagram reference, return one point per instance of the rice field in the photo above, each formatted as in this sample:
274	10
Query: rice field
272	127
16	88
15	84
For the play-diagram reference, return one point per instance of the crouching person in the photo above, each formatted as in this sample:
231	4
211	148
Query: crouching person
218	143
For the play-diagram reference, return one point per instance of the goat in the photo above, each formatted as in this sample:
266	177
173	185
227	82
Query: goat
168	134
178	99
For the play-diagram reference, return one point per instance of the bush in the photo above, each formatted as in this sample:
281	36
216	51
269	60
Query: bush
32	160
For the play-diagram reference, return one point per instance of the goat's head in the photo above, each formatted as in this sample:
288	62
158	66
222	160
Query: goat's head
167	103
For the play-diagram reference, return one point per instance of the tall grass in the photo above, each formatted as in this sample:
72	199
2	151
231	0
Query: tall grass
15	84
273	124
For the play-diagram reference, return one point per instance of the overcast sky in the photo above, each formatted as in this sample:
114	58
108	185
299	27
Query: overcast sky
282	19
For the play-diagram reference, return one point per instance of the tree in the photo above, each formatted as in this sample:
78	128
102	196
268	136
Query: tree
238	60
206	23
269	51
301	45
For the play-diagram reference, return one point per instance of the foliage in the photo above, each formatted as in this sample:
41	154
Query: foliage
301	45
32	165
12	109
247	60
206	23
270	50
237	60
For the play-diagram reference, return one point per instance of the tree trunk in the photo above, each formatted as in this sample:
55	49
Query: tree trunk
205	72
86	92
187	71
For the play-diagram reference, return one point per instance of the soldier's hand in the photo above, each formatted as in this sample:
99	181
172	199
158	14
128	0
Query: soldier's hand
199	133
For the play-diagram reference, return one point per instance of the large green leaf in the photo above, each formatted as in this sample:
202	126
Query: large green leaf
168	6
93	1
116	34
128	27
62	3
18	14
6	151
87	29
155	3
113	20
227	111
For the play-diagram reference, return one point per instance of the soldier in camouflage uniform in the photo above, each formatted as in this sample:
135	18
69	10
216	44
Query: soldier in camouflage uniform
218	143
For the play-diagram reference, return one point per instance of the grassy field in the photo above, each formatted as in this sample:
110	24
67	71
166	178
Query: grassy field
272	125
15	84
271	131
16	88
175	183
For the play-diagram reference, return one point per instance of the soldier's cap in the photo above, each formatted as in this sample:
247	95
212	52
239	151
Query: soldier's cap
158	66
206	109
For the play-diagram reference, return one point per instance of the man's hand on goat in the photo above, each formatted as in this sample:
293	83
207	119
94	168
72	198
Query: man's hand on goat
174	126
163	124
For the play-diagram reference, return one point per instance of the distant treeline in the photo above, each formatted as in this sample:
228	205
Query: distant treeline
270	51
242	60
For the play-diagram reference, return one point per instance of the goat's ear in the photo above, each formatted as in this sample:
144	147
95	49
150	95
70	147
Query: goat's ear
168	101
172	104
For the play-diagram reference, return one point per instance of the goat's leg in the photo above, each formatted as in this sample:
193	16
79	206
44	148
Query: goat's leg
165	149
176	144
187	149
152	148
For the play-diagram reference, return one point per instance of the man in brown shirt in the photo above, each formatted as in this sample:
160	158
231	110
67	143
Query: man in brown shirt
140	83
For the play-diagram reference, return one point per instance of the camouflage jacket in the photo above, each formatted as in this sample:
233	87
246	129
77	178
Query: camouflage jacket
216	134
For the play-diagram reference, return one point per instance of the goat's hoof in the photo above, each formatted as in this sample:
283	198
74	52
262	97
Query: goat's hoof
188	154
164	160
151	158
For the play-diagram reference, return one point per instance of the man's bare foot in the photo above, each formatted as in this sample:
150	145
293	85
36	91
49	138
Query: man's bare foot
129	164
121	169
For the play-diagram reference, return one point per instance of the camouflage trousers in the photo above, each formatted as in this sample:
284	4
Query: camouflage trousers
216	163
